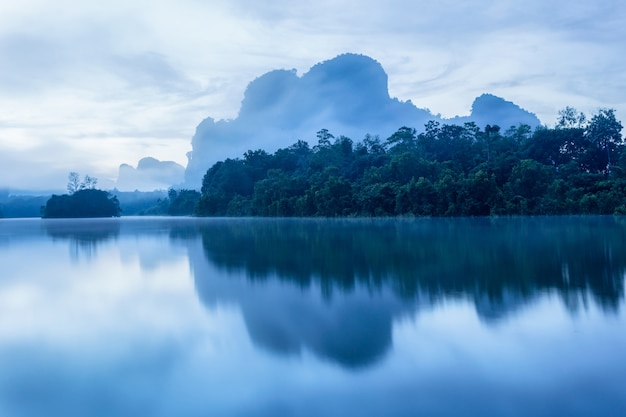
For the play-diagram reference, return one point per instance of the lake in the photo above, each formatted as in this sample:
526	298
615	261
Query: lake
313	317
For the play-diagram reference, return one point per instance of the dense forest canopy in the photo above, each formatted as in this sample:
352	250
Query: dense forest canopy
577	167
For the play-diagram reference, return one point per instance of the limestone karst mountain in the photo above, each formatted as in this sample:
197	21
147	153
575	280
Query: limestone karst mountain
150	174
348	95
490	109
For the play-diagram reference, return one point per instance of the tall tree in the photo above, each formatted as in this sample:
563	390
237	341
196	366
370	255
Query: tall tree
402	140
570	118
605	131
73	182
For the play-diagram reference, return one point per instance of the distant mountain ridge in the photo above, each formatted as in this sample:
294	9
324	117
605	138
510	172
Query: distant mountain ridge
348	95
150	174
490	109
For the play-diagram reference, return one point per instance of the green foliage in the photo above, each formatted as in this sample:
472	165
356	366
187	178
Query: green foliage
182	202
277	194
447	170
569	118
82	203
605	132
527	186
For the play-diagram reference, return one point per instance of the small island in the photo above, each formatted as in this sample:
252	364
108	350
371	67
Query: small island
82	201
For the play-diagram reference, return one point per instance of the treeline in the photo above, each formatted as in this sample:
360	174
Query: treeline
15	206
577	167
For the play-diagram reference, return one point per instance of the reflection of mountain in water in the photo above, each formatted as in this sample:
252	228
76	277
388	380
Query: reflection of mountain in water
335	286
354	328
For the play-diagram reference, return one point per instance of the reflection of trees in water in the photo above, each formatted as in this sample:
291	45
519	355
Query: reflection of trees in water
349	279
84	235
486	259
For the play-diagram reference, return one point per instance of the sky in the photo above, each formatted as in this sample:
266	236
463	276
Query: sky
86	86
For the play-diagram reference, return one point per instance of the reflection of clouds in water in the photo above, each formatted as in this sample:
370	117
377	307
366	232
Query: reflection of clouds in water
40	381
439	355
97	337
62	301
535	363
152	247
146	352
82	303
150	252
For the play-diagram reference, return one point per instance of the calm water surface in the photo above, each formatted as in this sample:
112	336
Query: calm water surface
258	317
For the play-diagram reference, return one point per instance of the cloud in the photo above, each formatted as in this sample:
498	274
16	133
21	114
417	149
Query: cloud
89	113
150	70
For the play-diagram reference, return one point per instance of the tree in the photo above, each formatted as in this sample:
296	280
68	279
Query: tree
73	182
527	185
403	140
605	131
548	146
570	118
373	145
330	193
277	194
323	138
490	136
480	195
182	202
416	197
89	183
257	162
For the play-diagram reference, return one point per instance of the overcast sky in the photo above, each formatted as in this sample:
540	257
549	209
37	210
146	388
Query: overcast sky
86	85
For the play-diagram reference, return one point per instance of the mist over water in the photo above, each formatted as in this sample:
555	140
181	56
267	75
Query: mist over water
183	316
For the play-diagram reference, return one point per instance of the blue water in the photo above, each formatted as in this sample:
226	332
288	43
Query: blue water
298	317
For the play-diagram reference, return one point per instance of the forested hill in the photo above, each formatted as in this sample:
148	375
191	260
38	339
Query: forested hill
347	95
577	167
